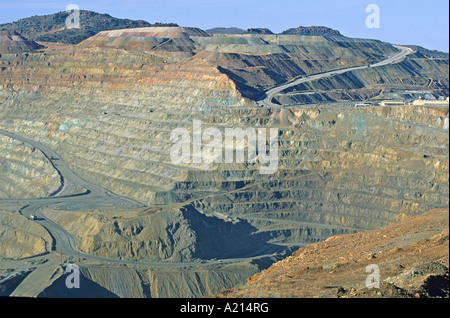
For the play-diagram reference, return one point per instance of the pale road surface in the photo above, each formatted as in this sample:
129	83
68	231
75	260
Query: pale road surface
98	197
266	99
95	197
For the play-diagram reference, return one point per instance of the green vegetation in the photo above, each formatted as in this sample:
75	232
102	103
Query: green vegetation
52	28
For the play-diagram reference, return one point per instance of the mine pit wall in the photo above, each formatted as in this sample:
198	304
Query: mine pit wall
258	63
111	117
144	282
373	83
26	172
21	238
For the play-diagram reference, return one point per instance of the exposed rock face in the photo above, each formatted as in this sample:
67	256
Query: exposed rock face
147	39
257	63
161	235
21	238
110	104
375	82
12	42
412	258
25	171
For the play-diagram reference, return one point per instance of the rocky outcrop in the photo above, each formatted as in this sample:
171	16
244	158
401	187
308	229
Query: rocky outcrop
147	39
340	171
110	109
98	281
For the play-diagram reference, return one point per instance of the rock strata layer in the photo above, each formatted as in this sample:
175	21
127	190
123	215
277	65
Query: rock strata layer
110	105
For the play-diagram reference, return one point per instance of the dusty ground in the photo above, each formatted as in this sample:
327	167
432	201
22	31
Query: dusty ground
412	257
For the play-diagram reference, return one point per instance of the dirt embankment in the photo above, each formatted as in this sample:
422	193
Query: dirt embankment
412	257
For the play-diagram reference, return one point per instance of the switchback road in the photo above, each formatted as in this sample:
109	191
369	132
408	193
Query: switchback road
266	99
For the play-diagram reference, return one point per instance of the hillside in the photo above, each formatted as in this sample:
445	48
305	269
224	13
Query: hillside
221	30
412	257
52	28
312	30
301	30
109	105
12	42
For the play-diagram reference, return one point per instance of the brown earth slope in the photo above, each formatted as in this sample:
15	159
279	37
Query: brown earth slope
108	107
412	256
12	42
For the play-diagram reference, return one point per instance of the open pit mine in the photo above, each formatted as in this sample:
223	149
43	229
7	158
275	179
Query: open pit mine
87	178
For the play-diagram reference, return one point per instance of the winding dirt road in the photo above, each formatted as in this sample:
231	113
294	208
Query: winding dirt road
96	197
266	99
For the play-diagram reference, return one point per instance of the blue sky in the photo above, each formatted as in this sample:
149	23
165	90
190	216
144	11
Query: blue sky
420	22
